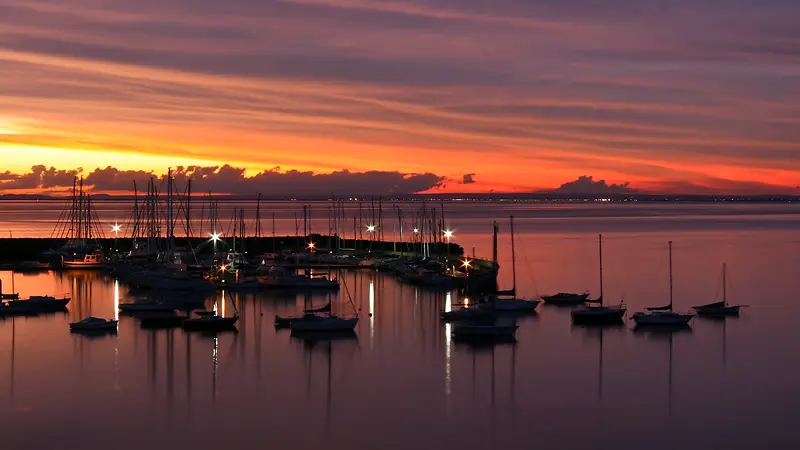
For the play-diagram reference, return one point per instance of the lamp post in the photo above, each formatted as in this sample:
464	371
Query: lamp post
371	229
214	238
115	229
448	234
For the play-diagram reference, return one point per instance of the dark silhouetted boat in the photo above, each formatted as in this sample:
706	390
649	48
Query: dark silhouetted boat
93	324
40	303
719	308
209	321
663	315
597	312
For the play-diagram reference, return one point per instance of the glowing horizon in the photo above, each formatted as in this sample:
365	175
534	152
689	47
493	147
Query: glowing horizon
515	98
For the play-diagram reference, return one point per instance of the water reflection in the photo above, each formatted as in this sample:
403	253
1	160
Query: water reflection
168	380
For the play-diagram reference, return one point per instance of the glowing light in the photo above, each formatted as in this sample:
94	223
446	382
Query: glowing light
371	311
448	234
448	306
222	268
416	230
116	229
311	246
116	299
466	263
215	236
371	228
466	301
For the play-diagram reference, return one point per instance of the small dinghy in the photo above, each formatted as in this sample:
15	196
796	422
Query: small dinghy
93	324
719	309
285	321
209	321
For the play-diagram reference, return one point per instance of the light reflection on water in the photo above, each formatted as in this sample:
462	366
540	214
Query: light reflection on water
164	389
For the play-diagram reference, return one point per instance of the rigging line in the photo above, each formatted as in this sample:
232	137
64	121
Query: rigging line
530	270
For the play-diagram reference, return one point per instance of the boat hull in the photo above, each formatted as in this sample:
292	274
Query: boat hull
39	304
717	311
662	319
511	305
598	314
225	323
77	326
80	265
565	300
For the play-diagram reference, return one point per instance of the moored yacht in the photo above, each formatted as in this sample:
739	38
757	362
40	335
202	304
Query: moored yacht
663	315
89	261
719	309
596	311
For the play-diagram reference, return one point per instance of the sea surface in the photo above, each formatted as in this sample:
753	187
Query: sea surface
402	382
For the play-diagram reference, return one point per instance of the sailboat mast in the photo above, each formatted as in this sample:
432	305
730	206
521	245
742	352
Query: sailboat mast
724	283
600	239
513	259
670	275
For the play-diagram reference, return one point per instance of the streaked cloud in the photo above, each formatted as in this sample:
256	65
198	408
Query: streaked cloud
225	180
658	93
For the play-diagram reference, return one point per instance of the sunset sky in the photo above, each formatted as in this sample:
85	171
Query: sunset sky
669	95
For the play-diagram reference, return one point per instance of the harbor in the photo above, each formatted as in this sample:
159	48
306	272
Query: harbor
203	350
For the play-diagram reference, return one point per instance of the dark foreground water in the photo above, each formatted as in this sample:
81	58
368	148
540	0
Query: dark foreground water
403	383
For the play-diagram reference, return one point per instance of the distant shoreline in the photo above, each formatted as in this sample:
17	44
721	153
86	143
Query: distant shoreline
532	198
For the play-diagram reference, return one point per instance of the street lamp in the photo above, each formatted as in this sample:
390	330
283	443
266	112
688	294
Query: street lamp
311	246
448	234
466	264
214	238
115	229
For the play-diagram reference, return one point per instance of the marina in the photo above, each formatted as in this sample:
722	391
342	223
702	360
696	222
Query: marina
219	357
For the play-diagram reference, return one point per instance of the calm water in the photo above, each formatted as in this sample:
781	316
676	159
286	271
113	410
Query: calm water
403	383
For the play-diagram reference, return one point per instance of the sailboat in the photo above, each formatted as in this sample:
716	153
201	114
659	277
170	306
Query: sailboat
514	304
284	321
663	315
719	308
211	321
600	313
311	322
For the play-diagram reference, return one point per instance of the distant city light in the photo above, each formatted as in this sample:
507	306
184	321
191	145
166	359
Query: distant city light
311	245
371	228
